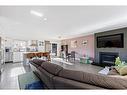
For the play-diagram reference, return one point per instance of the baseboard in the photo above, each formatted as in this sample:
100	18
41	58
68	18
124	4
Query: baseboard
9	62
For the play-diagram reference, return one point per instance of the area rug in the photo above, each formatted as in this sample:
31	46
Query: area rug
29	81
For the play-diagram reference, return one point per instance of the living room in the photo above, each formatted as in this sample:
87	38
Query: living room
63	47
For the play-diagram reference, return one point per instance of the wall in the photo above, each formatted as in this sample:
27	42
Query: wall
122	51
81	49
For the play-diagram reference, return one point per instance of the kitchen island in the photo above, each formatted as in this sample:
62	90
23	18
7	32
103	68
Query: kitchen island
29	55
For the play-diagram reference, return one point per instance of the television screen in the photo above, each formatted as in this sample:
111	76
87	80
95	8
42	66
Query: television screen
110	41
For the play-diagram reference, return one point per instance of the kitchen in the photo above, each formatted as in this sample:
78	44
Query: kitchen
15	49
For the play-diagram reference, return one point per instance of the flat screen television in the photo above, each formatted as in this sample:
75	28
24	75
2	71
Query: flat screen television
111	41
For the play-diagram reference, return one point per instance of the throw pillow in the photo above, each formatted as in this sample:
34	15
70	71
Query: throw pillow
118	61
122	70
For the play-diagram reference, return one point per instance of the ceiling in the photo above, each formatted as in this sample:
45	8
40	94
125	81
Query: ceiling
62	21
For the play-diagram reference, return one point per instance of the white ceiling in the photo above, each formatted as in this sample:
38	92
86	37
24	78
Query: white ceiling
62	21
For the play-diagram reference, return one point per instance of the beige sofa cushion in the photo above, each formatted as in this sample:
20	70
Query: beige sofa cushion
51	68
71	74
113	72
103	81
37	61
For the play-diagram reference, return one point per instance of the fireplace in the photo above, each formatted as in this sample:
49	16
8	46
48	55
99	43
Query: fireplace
107	58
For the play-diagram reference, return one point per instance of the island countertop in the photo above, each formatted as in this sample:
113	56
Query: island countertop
30	55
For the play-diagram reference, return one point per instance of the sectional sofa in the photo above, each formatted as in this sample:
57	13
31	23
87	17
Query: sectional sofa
56	77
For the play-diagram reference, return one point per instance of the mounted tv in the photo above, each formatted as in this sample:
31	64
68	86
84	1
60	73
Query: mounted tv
111	41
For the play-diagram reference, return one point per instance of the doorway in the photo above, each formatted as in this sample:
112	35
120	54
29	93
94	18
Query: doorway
54	49
65	49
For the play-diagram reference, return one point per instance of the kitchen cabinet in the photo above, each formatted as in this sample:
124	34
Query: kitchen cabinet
18	56
19	48
2	53
47	46
8	42
8	56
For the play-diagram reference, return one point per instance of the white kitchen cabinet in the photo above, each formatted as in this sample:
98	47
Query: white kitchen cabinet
8	42
8	56
2	53
17	56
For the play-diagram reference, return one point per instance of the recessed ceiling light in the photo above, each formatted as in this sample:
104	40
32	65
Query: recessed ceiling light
45	18
36	13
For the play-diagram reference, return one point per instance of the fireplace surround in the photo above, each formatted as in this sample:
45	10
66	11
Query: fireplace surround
107	58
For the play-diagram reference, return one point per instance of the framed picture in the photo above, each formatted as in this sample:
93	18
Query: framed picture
74	44
84	42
